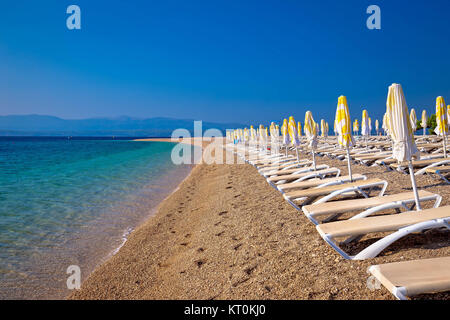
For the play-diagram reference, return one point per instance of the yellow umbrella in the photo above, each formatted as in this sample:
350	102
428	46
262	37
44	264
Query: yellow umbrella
299	129
310	130
343	126
377	125
284	132
365	123
327	129
413	118
442	121
424	121
384	126
356	126
292	129
322	127
448	117
334	128
399	124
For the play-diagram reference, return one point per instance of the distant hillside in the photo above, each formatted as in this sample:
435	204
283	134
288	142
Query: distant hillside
40	125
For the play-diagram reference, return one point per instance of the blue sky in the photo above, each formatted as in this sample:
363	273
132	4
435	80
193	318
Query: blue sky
246	61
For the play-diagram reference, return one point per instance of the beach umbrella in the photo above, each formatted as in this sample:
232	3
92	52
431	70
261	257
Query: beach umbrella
356	126
384	125
365	126
413	118
370	126
299	129
284	132
310	130
442	121
424	121
293	135
377	125
399	124
334	128
343	126
327	129
448	117
322	127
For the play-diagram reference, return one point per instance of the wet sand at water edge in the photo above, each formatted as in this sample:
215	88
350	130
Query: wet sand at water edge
225	233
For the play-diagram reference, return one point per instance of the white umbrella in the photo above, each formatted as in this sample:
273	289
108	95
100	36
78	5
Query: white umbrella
365	130
377	125
310	129
293	134
413	118
424	121
285	133
399	124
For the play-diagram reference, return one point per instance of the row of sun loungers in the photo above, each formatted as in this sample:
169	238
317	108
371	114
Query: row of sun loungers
322	195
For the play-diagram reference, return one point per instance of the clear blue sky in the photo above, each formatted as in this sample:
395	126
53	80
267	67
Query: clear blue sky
232	60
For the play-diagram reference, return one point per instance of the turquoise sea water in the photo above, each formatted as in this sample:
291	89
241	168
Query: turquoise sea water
72	202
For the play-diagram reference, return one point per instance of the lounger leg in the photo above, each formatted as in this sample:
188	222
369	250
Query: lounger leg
373	250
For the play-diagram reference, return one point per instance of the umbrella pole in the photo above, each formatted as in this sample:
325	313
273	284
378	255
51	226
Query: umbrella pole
296	150
413	181
286	151
314	160
445	146
349	165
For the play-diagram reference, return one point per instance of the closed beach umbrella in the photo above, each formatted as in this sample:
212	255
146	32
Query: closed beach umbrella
310	129
413	118
365	123
399	124
424	121
377	125
356	126
365	130
334	128
284	132
384	126
322	127
343	126
299	129
293	134
448	117
370	126
442	121
327	129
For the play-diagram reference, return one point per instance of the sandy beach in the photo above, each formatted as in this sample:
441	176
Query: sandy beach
226	234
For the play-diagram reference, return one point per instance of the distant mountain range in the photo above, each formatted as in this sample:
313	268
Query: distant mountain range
41	125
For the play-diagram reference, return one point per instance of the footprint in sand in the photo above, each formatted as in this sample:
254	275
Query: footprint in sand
222	213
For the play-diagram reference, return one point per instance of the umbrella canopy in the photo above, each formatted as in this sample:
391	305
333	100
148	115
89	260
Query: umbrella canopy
322	127
343	123
356	125
370	125
413	118
334	128
365	130
384	125
327	129
399	128
448	116
377	125
310	130
399	124
424	119
292	129
441	117
299	129
284	132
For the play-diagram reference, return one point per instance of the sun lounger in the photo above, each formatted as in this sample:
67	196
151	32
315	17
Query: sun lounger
317	182
400	224
439	171
410	278
366	207
428	163
305	173
328	193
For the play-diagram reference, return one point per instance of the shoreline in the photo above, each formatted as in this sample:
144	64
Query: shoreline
226	234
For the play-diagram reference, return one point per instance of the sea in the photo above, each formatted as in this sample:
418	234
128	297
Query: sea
67	201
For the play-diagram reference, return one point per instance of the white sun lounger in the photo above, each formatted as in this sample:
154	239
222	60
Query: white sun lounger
400	224
304	173
366	207
363	187
410	278
318	182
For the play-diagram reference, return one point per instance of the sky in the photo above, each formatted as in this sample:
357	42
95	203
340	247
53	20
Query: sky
225	61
